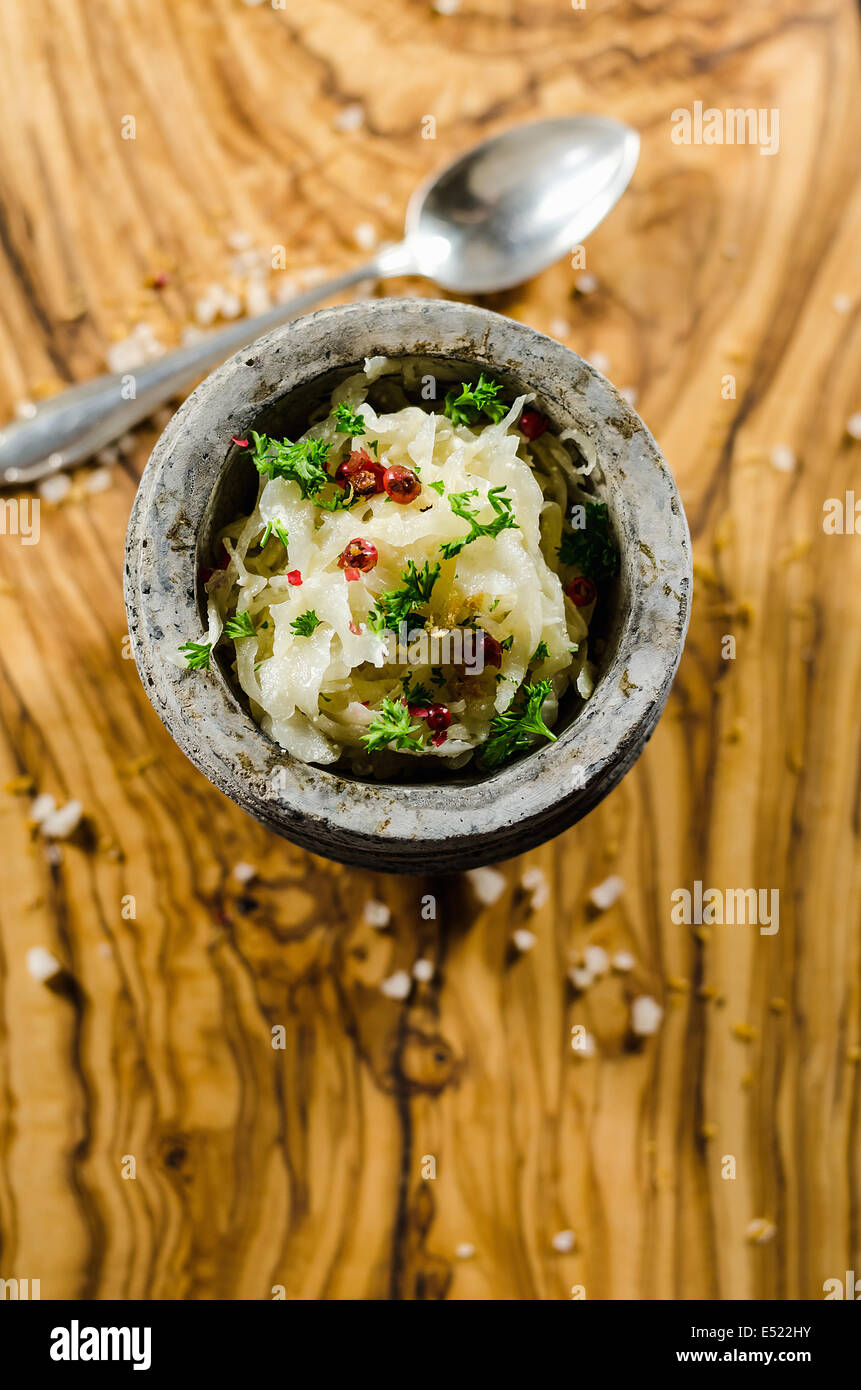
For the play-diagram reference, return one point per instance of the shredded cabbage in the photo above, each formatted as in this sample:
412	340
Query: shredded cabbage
318	691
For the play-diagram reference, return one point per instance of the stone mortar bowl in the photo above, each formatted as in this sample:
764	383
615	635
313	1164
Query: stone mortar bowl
196	481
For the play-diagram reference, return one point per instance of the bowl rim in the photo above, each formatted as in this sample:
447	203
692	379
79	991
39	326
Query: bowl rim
414	824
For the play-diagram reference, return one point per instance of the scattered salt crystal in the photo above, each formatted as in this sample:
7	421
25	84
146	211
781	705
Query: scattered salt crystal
534	880
465	1250
42	964
99	480
206	310
646	1015
25	410
853	425
586	282
106	458
365	236
760	1231
487	884
60	824
782	458
601	362
239	240
524	940
105	950
841	303
608	891
191	334
243	872
350	117
580	977
563	1241
623	961
446	7
423	970
376	914
596	960
43	806
230	305
53	855
629	394
285	289
559	328
397	986
126	442
54	489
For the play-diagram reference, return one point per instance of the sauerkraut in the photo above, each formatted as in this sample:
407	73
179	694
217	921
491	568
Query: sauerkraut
398	594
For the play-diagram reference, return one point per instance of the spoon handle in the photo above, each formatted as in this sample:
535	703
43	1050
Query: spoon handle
74	424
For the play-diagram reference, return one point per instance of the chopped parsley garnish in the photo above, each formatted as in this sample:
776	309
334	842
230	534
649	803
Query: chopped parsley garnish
437	676
303	463
418	694
305	624
392	725
517	726
280	531
395	606
240	625
464	407
503	521
591	548
347	421
541	653
438	486
197	655
507	643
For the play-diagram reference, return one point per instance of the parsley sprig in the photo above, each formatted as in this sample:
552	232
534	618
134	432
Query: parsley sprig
591	548
280	531
303	462
240	625
197	655
395	606
464	407
418	694
517	726
392	725
348	421
503	520
305	624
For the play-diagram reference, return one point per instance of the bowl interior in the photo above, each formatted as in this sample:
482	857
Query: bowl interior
235	491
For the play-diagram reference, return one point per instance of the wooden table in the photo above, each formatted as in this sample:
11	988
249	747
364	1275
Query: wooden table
728	294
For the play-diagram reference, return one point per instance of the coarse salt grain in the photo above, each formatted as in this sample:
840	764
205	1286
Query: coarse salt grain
646	1015
43	806
365	236
257	298
205	310
607	892
55	488
580	977
623	961
376	914
534	880
350	117
397	986
853	425
63	822
630	394
107	458
760	1231
487	884
446	7
230	305
423	970
601	362
239	240
586	282
464	1251
563	1241
559	328
782	458
524	940
596	960
43	964
841	303
25	410
99	480
244	872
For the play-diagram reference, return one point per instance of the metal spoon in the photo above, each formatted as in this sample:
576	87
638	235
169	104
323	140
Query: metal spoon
496	216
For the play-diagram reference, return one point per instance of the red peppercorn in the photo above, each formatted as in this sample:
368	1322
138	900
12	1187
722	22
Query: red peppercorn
582	592
354	628
358	555
439	718
533	423
439	739
401	484
418	711
360	472
351	574
294	577
241	443
492	650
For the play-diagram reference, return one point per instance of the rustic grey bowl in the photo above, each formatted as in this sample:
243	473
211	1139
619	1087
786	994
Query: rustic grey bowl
195	480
